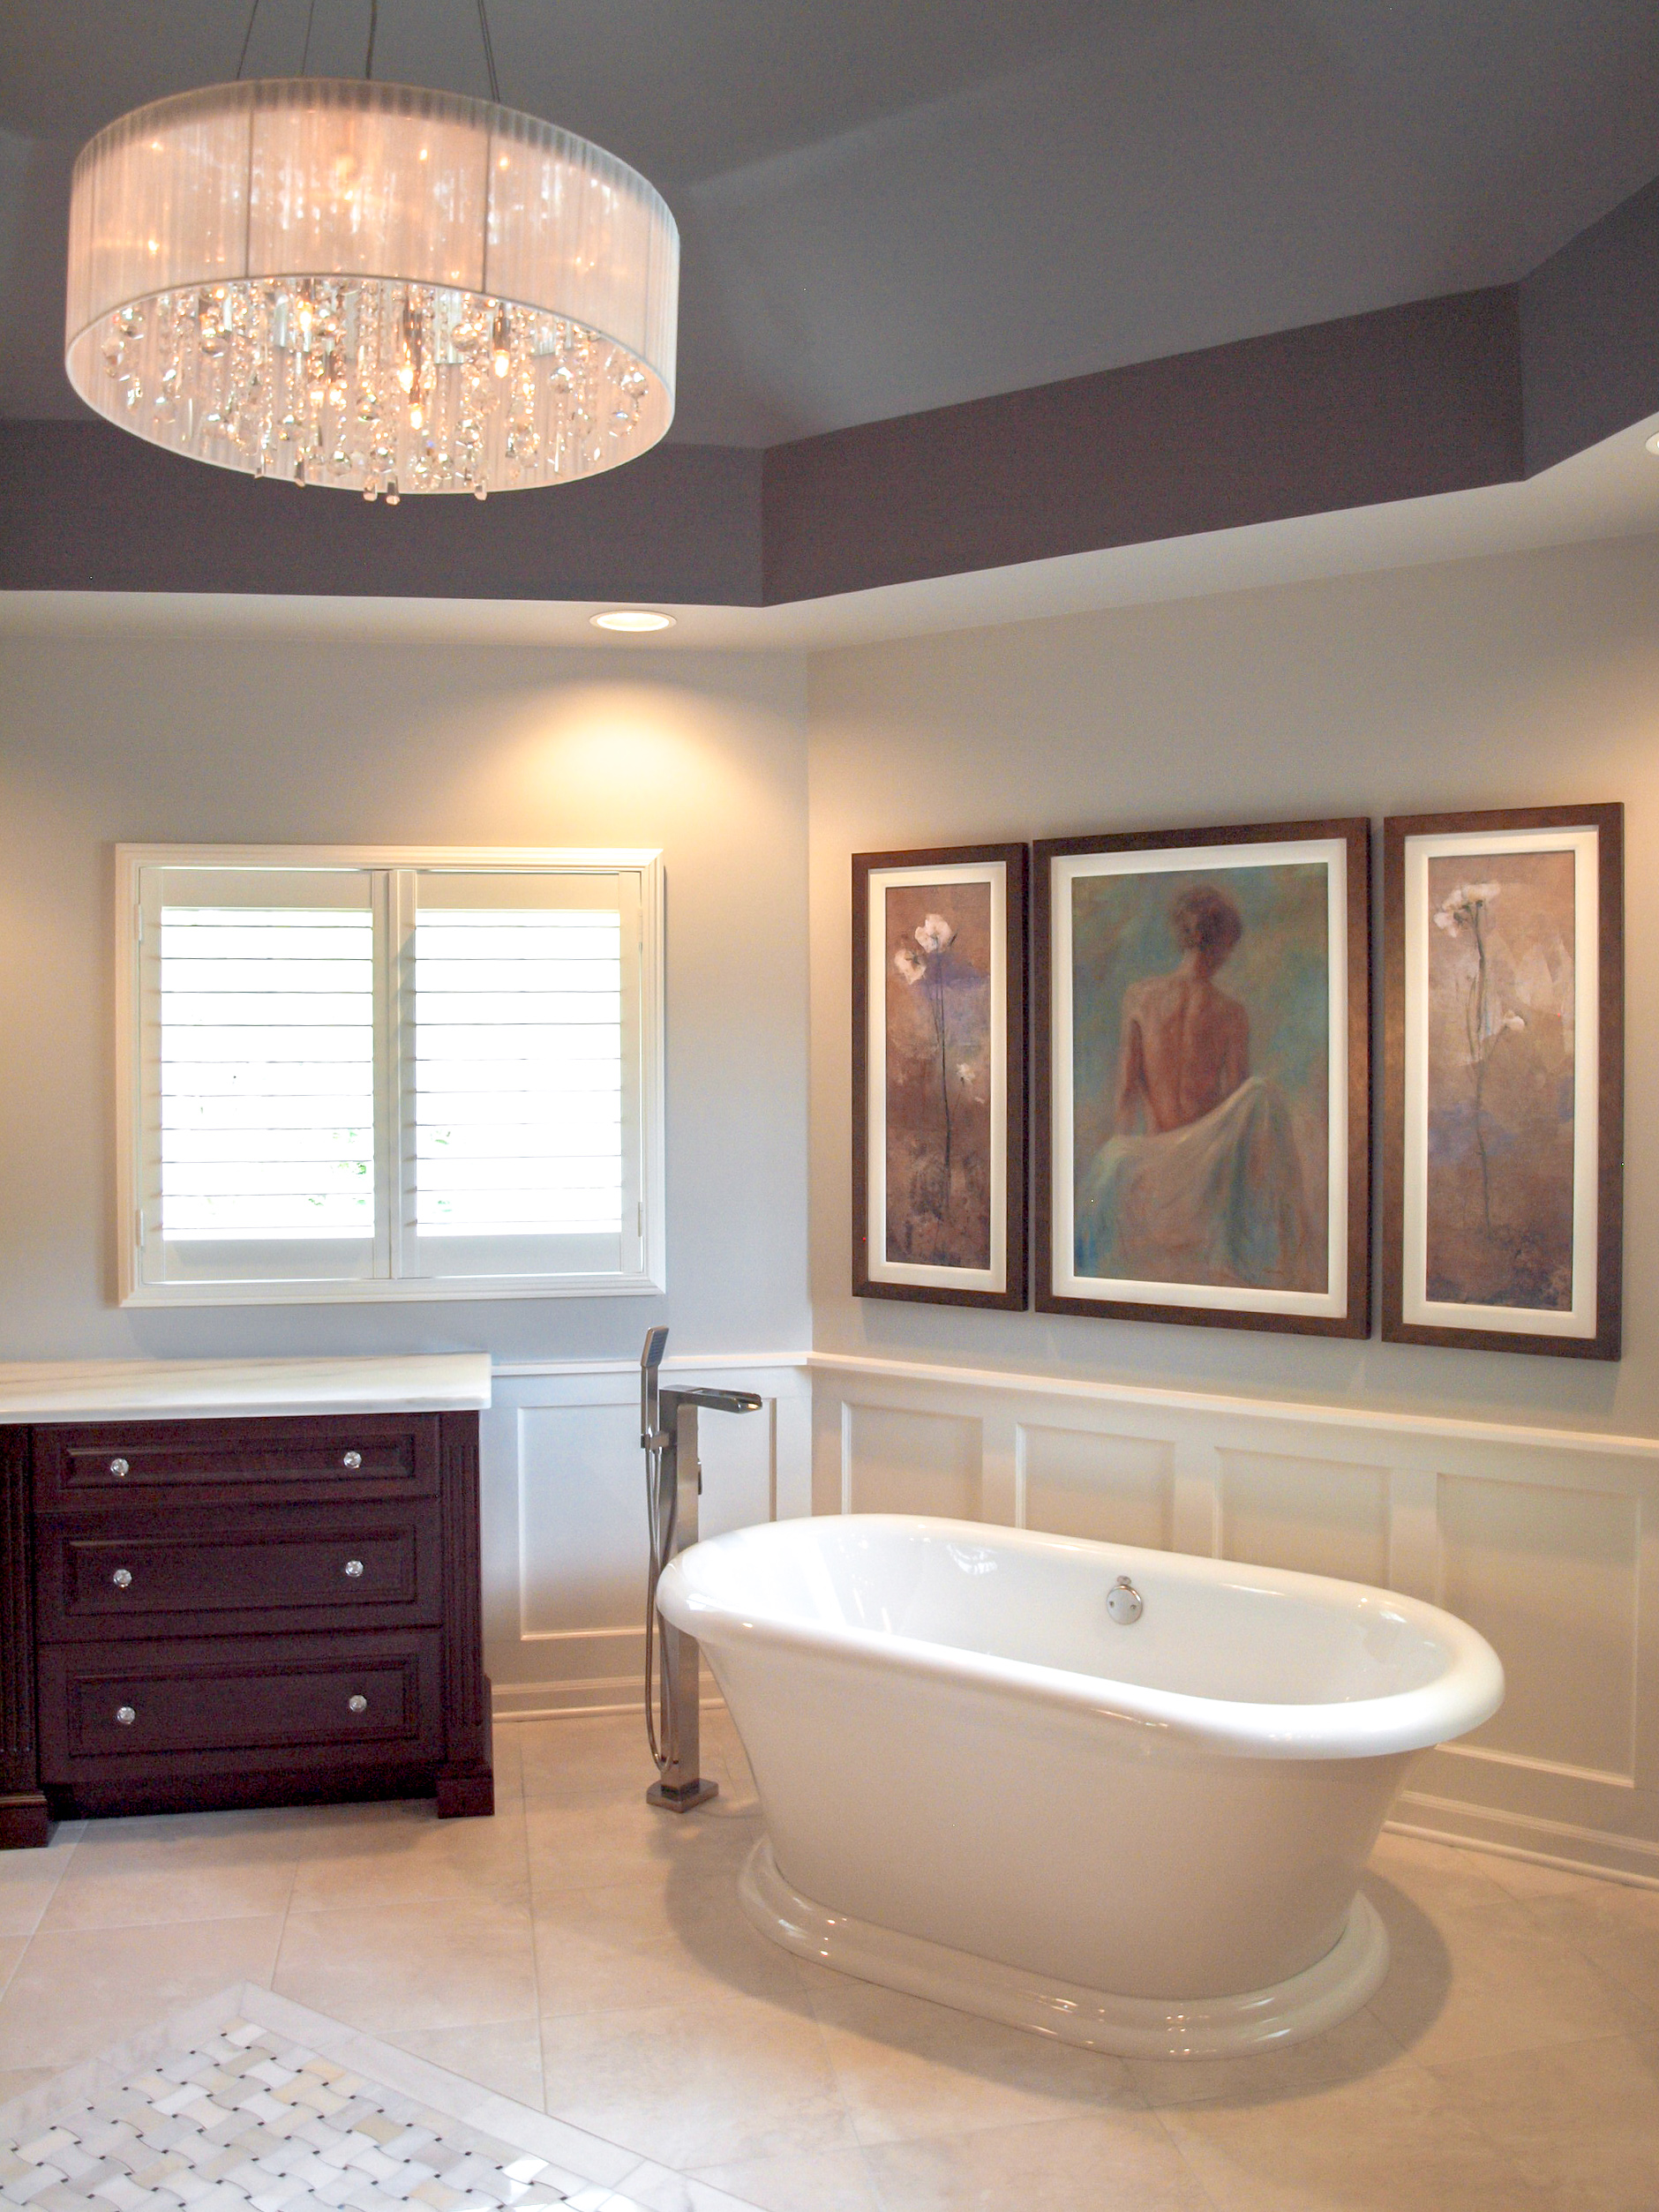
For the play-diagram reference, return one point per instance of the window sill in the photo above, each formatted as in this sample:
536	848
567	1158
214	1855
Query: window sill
419	1292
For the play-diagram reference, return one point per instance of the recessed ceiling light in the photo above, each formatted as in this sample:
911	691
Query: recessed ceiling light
632	619
1653	443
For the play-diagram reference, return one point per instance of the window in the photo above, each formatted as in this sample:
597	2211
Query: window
367	1074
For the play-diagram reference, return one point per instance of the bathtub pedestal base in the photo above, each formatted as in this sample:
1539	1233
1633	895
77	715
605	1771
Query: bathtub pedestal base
1130	2027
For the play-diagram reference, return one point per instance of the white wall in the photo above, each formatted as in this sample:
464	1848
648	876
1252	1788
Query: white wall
239	739
1523	680
1493	1483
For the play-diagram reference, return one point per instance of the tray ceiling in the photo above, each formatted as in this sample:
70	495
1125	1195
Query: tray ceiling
892	209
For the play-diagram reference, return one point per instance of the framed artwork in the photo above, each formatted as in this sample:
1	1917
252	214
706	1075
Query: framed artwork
1503	1118
939	1076
1202	1086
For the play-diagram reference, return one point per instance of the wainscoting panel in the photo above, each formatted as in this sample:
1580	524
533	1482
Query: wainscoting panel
582	1530
1317	1516
1546	1540
1549	1575
563	1532
896	1462
1117	1489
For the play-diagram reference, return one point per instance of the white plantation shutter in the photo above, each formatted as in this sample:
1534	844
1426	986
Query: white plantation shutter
260	993
358	1075
520	1141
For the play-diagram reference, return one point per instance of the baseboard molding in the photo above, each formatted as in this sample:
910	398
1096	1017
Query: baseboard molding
552	1700
678	1364
1519	1835
574	1699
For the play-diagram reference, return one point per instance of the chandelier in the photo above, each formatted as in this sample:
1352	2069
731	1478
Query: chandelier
358	284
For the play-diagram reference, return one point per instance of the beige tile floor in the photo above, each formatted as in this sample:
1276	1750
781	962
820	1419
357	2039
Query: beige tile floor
585	1955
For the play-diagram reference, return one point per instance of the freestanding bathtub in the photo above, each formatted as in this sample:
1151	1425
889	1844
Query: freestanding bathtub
982	1785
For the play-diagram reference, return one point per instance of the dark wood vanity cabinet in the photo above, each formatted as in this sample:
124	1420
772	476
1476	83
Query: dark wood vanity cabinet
207	1612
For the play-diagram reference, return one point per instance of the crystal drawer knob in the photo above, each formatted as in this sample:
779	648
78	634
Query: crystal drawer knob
354	1570
359	1704
125	1716
122	1578
353	1458
118	1467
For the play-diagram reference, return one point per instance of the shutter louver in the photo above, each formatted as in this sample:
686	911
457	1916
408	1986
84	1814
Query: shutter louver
518	1072
267	1075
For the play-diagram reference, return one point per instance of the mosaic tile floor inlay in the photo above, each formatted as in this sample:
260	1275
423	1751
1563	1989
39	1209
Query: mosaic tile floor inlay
247	2116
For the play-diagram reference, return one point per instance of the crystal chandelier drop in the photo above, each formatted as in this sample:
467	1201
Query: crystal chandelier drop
363	285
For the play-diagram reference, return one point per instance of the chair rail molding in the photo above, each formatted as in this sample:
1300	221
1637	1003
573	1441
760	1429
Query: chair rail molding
1544	1538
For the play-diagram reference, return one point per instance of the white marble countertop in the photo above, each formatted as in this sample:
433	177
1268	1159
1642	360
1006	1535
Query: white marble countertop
181	1390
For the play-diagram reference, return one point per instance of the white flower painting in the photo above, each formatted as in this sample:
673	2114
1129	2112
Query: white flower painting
938	1091
1501	1081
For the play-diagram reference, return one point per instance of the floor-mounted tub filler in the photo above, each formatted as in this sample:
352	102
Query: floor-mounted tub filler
1121	1797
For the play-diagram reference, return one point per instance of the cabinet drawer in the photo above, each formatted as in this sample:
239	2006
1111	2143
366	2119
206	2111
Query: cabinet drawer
348	1569
108	1464
282	1701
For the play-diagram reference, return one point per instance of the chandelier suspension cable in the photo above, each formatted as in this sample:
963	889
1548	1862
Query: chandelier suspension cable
368	59
489	55
247	37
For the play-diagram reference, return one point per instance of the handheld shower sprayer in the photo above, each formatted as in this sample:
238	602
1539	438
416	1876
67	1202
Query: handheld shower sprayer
673	1482
650	1366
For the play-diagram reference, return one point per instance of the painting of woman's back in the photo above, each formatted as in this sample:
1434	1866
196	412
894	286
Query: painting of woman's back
1201	1079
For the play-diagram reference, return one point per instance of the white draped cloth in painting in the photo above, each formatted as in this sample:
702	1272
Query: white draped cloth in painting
1219	1202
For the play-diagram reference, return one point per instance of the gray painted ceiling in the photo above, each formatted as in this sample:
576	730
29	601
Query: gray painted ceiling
888	208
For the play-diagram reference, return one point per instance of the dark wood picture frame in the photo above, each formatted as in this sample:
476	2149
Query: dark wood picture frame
1608	822
1352	1115
1015	861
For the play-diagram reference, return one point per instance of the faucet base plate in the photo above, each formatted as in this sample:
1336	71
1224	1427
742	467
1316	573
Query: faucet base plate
666	1798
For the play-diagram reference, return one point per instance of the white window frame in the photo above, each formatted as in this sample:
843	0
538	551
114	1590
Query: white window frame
651	1277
